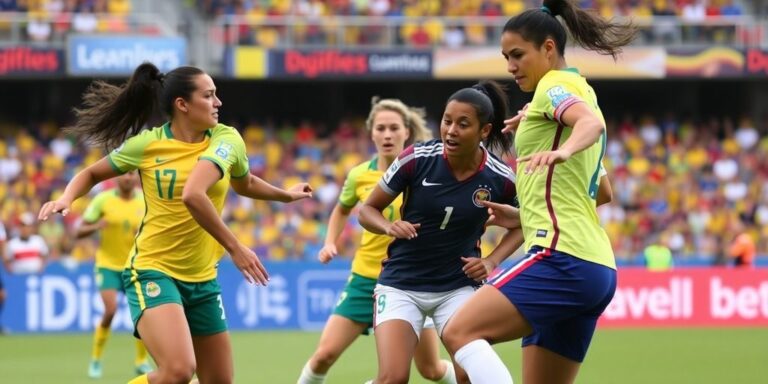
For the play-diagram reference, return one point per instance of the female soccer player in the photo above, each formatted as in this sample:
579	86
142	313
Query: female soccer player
554	296
117	214
170	277
434	264
392	125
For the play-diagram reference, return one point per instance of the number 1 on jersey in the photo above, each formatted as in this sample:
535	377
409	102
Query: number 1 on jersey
448	212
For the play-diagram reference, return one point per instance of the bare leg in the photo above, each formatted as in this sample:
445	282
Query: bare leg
339	333
395	345
542	366
165	332
213	354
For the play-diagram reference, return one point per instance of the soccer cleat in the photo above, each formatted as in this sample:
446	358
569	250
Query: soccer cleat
143	368
94	369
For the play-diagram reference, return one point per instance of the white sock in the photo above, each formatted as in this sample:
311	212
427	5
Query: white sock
309	377
450	374
369	382
482	363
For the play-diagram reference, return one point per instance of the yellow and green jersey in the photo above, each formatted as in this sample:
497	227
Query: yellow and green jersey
373	248
557	206
122	218
169	239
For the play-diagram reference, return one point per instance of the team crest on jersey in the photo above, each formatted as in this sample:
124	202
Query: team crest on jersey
152	289
482	193
557	95
223	150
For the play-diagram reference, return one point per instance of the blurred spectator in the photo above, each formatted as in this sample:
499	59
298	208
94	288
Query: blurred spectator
27	252
742	248
658	257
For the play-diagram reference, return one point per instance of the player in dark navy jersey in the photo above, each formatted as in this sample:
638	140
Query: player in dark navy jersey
434	263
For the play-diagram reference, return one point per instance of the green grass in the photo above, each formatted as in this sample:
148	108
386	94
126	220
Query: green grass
617	356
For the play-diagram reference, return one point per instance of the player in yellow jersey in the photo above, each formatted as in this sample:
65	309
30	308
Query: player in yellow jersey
392	125
554	296
170	275
116	213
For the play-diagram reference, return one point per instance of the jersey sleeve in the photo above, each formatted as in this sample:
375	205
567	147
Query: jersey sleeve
127	157
227	152
557	97
348	197
400	173
94	210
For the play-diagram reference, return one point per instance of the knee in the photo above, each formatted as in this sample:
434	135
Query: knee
324	358
393	378
454	339
177	372
432	371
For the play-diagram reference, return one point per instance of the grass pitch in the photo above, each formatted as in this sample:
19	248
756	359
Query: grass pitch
626	356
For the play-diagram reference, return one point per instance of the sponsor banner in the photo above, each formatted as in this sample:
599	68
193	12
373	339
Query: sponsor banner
705	62
89	55
757	63
487	62
309	64
711	297
301	295
18	61
246	63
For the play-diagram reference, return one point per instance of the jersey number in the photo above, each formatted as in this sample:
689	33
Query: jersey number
172	181
448	212
221	306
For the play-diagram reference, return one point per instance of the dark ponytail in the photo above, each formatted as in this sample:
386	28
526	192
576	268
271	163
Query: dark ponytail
110	114
491	104
588	29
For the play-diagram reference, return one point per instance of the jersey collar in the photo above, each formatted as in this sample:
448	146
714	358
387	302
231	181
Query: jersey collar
169	133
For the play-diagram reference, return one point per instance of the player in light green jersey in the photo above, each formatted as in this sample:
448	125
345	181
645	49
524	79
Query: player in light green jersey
553	297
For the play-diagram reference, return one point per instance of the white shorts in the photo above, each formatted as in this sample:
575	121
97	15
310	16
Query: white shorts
414	306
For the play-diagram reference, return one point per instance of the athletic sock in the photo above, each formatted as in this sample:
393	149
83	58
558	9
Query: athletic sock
100	337
482	364
143	379
141	353
309	377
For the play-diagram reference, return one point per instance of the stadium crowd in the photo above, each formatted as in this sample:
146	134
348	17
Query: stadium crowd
399	23
52	20
690	185
441	29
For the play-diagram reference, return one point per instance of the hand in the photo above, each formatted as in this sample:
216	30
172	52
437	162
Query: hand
542	160
51	207
299	191
502	215
249	264
477	269
327	253
401	229
511	124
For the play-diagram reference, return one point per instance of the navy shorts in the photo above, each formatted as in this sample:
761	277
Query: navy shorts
561	296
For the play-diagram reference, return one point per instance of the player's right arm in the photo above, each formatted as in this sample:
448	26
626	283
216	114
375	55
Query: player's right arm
79	186
336	224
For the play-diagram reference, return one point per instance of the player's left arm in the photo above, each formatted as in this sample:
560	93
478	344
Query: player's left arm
571	111
604	191
256	188
203	177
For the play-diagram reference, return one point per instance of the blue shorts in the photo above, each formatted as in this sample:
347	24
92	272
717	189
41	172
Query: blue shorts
561	296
